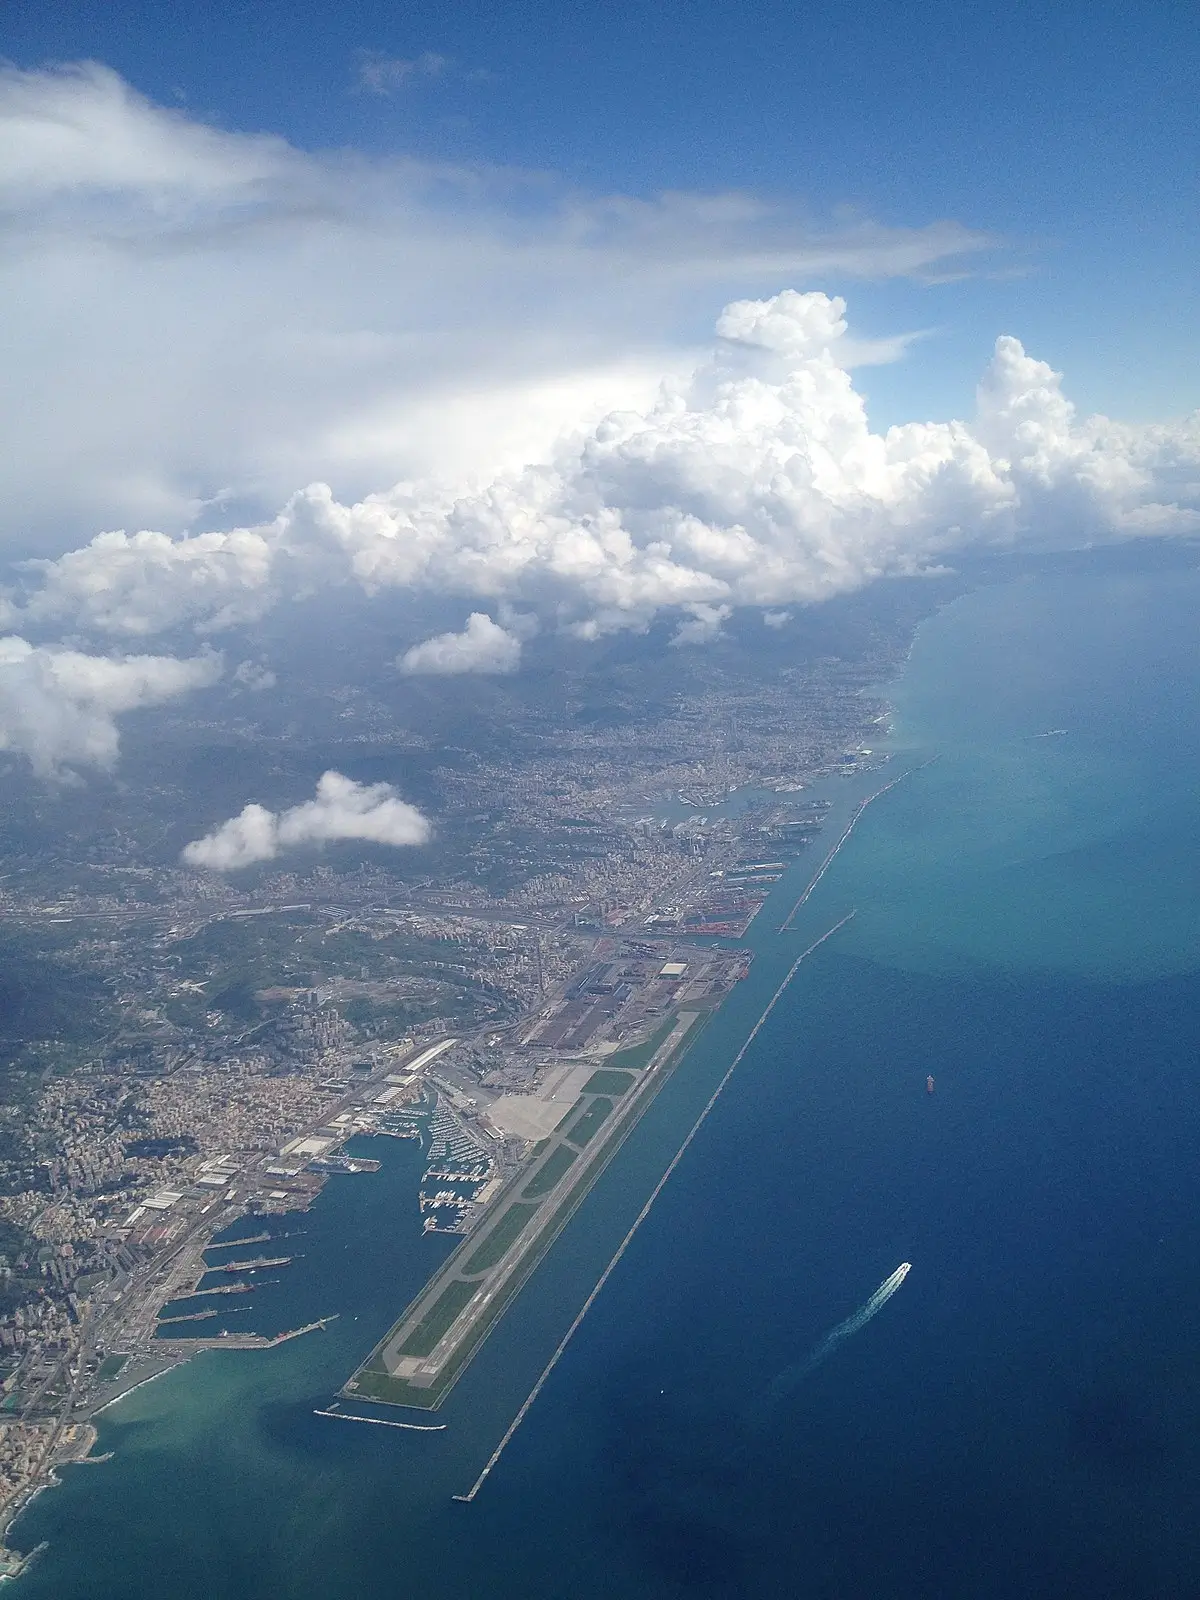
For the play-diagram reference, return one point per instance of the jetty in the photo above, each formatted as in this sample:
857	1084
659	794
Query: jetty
309	1327
222	1288
241	1341
199	1316
255	1263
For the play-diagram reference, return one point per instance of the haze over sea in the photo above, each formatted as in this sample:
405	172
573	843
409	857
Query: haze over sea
1021	1418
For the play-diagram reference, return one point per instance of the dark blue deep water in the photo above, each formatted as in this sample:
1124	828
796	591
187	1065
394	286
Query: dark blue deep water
1021	1419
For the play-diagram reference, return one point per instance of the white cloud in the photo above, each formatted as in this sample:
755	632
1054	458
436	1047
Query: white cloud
384	74
703	624
146	583
342	809
212	318
483	646
80	132
253	835
59	707
777	619
757	482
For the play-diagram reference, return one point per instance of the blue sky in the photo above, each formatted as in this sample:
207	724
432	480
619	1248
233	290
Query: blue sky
1070	130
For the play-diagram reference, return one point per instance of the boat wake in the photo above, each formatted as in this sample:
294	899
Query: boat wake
791	1376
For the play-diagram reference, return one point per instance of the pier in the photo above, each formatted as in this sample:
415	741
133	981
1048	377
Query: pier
254	1264
199	1316
222	1288
309	1327
241	1341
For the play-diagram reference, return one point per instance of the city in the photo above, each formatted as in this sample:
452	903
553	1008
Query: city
239	1034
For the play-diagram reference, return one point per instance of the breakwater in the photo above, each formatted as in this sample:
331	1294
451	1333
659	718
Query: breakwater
383	1422
855	819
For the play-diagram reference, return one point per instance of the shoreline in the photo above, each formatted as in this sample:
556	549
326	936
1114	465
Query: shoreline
75	1452
141	1383
138	1377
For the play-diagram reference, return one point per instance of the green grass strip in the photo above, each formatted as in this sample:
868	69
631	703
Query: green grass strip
589	1123
549	1173
389	1391
606	1082
509	1227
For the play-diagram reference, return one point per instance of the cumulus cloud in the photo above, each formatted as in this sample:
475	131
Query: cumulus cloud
58	708
483	646
213	318
253	835
756	482
342	809
147	582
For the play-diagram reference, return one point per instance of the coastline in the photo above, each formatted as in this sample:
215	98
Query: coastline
137	1376
123	1392
1042	1191
76	1451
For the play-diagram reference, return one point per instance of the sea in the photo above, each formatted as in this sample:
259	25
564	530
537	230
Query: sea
1021	1417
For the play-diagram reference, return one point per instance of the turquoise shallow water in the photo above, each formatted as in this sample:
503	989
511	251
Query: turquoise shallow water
1020	1418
